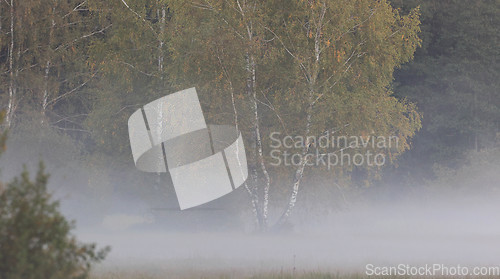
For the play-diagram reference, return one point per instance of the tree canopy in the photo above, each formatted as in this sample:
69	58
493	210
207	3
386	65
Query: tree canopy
299	68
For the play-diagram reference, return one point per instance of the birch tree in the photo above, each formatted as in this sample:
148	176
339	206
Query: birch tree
342	48
223	44
68	31
12	89
292	63
46	57
131	59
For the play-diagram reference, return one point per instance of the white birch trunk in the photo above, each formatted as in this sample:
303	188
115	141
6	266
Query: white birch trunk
45	96
253	197
254	174
311	102
299	173
12	90
258	141
162	19
252	92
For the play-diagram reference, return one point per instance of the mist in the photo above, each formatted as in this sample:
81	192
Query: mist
454	230
249	139
386	225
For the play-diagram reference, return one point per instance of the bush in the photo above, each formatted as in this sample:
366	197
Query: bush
35	240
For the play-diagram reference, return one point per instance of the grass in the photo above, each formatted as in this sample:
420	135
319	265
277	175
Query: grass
275	275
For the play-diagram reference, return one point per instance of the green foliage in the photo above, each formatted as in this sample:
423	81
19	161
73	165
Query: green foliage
479	169
297	67
454	80
345	62
131	58
348	67
47	70
35	240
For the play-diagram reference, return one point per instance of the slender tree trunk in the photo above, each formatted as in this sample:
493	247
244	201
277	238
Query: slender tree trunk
299	173
259	153
253	197
45	96
251	86
12	90
258	139
475	125
314	73
257	146
162	19
247	10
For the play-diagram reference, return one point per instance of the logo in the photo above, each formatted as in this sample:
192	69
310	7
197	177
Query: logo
170	134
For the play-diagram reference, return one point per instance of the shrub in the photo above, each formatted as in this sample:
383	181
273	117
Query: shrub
35	239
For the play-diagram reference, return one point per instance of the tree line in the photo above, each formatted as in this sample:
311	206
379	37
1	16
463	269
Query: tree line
79	68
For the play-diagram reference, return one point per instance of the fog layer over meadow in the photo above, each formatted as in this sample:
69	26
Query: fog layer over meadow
384	225
450	231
